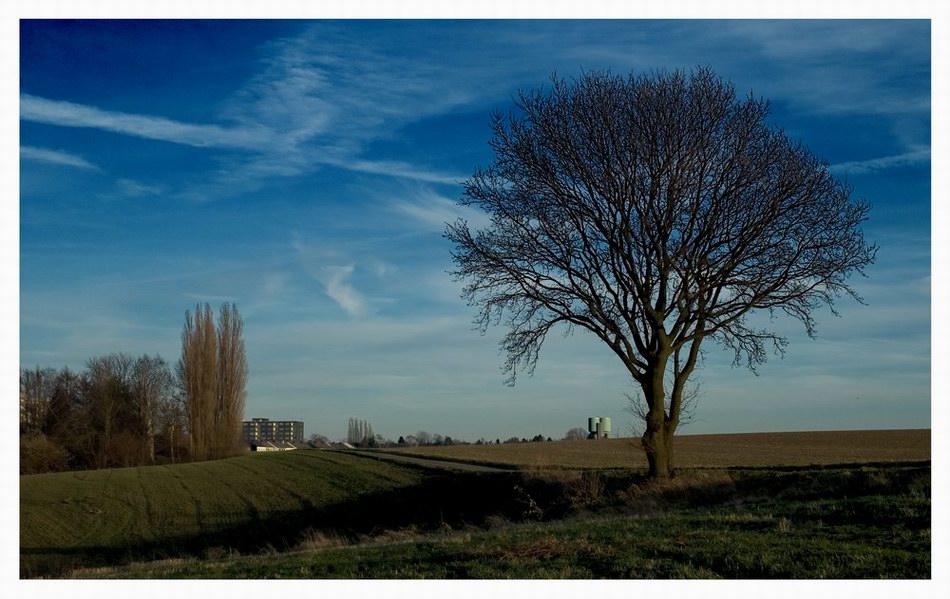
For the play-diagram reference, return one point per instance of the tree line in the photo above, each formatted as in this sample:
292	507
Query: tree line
360	434
119	411
127	411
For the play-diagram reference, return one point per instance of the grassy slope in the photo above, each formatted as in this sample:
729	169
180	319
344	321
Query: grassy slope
80	514
843	523
261	502
694	451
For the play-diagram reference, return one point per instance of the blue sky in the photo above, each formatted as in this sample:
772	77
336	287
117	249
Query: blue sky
304	170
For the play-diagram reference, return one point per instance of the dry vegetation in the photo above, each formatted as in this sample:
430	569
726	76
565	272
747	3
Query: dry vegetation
694	451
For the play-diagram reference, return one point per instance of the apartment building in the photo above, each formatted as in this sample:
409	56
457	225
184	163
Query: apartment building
259	430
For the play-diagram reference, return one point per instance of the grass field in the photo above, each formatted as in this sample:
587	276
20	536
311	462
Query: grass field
835	523
702	451
73	518
360	517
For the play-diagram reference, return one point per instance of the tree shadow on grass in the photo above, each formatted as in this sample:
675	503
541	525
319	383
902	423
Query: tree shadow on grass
453	499
462	499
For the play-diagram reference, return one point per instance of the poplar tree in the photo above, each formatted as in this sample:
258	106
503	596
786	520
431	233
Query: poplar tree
213	374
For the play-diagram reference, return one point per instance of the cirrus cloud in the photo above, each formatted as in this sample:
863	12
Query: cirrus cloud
55	157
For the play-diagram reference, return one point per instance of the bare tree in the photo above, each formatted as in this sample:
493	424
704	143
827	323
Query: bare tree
232	379
107	406
36	391
638	407
359	432
70	421
64	403
575	434
171	424
109	414
213	374
653	211
368	434
152	389
198	376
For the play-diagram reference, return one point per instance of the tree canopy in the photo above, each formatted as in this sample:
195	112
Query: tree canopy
653	211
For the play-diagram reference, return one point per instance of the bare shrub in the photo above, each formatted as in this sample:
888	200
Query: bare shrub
217	553
589	488
39	454
315	540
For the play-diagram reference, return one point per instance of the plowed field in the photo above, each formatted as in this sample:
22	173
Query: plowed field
697	451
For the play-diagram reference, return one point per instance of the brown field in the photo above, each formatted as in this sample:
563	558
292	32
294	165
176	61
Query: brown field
696	451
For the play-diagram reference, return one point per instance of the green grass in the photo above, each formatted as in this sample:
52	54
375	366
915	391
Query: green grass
317	514
878	534
74	518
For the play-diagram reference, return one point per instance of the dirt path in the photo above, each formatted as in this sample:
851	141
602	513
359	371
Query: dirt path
379	455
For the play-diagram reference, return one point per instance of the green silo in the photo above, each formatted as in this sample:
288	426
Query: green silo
592	425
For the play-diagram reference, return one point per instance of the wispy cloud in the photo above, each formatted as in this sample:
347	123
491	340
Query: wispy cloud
859	167
210	298
433	211
333	270
327	97
338	287
68	114
56	157
402	170
135	189
320	99
821	66
832	66
343	90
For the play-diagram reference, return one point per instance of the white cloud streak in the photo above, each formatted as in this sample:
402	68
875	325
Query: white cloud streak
55	157
286	129
860	167
68	114
323	96
400	169
433	211
319	100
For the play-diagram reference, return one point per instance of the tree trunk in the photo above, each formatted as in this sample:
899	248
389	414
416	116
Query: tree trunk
657	439
150	447
658	445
